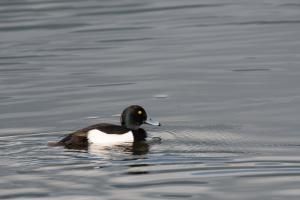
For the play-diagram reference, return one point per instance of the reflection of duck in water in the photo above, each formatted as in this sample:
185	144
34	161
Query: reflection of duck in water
135	148
109	134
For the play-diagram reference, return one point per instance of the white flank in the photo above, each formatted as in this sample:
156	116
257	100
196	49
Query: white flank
98	137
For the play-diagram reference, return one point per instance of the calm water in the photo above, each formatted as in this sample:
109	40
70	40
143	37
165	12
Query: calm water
222	76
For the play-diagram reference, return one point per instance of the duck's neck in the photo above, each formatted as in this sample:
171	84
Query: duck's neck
139	134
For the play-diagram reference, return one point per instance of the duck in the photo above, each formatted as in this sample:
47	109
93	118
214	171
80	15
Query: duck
103	134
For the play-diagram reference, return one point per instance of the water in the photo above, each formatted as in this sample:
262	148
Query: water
221	76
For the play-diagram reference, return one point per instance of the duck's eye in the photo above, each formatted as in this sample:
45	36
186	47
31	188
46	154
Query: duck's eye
140	112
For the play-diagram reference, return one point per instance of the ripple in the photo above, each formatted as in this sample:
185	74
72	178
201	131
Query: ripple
41	26
251	70
112	29
111	84
154	9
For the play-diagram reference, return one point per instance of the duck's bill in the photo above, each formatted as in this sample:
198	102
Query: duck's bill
151	122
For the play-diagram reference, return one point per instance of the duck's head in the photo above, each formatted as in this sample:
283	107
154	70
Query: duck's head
134	116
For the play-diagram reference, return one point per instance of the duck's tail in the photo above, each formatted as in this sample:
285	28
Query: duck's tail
55	144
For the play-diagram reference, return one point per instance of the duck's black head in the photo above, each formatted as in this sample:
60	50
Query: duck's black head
134	116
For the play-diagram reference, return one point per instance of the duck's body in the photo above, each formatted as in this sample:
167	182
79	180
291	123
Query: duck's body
110	134
102	134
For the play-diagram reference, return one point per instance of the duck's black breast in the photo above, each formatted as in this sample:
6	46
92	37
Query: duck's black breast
139	135
79	139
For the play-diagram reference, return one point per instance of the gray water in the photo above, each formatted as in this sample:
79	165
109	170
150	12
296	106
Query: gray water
222	77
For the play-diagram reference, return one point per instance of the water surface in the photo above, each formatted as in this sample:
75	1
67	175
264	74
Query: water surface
221	76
